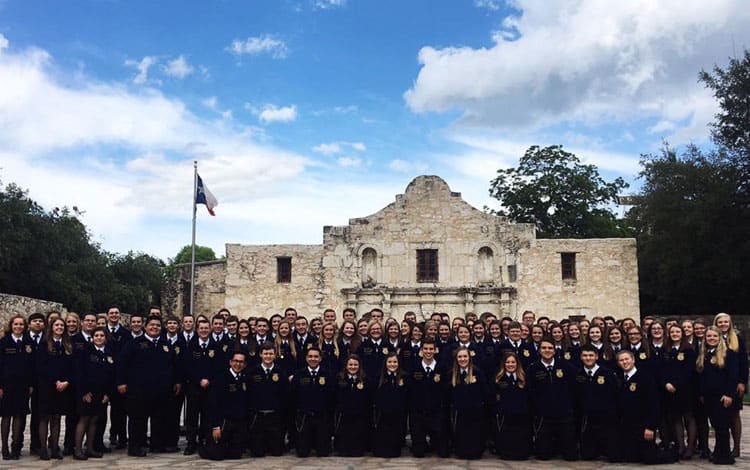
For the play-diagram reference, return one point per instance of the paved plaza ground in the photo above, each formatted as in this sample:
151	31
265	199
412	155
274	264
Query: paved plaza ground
120	460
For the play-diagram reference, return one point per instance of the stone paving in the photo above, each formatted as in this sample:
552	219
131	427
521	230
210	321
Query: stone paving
120	460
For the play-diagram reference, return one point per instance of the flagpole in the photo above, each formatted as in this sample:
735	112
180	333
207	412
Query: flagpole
192	251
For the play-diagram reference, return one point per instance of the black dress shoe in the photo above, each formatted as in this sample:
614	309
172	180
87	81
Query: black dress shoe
79	456
43	454
189	450
137	452
94	454
68	451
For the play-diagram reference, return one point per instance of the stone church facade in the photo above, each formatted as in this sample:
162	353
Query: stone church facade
429	251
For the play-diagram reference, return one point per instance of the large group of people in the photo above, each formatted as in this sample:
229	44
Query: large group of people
574	389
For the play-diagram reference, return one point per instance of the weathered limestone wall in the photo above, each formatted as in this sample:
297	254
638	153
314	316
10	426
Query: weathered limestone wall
606	284
210	277
251	287
16	304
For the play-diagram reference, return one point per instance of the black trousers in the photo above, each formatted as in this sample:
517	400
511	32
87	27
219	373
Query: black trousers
721	420
388	435
118	419
196	417
633	447
599	437
146	406
351	434
553	436
467	432
512	436
432	424
233	438
267	433
313	430
71	421
174	410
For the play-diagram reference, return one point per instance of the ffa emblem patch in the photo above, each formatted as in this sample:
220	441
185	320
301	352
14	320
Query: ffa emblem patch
437	351
420	353
600	380
385	350
211	353
244	387
713	360
526	353
633	387
472	353
177	350
520	385
309	345
400	382
559	373
166	348
28	349
252	353
281	356
642	356
275	377
360	386
224	348
110	360
398	350
322	380
473	380
680	356
567	356
437	378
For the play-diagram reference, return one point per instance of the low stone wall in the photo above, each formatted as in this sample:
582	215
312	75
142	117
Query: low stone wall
16	304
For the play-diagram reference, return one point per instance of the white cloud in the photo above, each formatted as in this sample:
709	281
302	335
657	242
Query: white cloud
585	62
326	4
178	68
348	162
328	149
338	147
488	4
3	43
143	66
210	102
66	158
260	45
273	113
403	166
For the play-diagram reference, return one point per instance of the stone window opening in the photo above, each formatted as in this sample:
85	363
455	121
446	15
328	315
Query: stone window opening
485	266
427	266
369	268
568	264
283	269
512	273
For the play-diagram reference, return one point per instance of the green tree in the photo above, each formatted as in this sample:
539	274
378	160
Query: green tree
731	129
693	249
202	253
50	255
564	198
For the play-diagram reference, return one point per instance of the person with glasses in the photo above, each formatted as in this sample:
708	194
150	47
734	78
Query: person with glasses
228	400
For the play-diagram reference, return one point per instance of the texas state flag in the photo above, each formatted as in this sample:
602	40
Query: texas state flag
204	196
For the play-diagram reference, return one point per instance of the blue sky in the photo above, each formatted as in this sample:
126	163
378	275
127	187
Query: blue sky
306	113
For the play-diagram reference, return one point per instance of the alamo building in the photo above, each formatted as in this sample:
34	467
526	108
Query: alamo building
428	251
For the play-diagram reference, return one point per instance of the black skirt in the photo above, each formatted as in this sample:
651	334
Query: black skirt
15	401
52	402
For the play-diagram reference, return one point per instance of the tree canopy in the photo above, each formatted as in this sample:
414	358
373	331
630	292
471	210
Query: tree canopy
202	253
563	197
50	255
